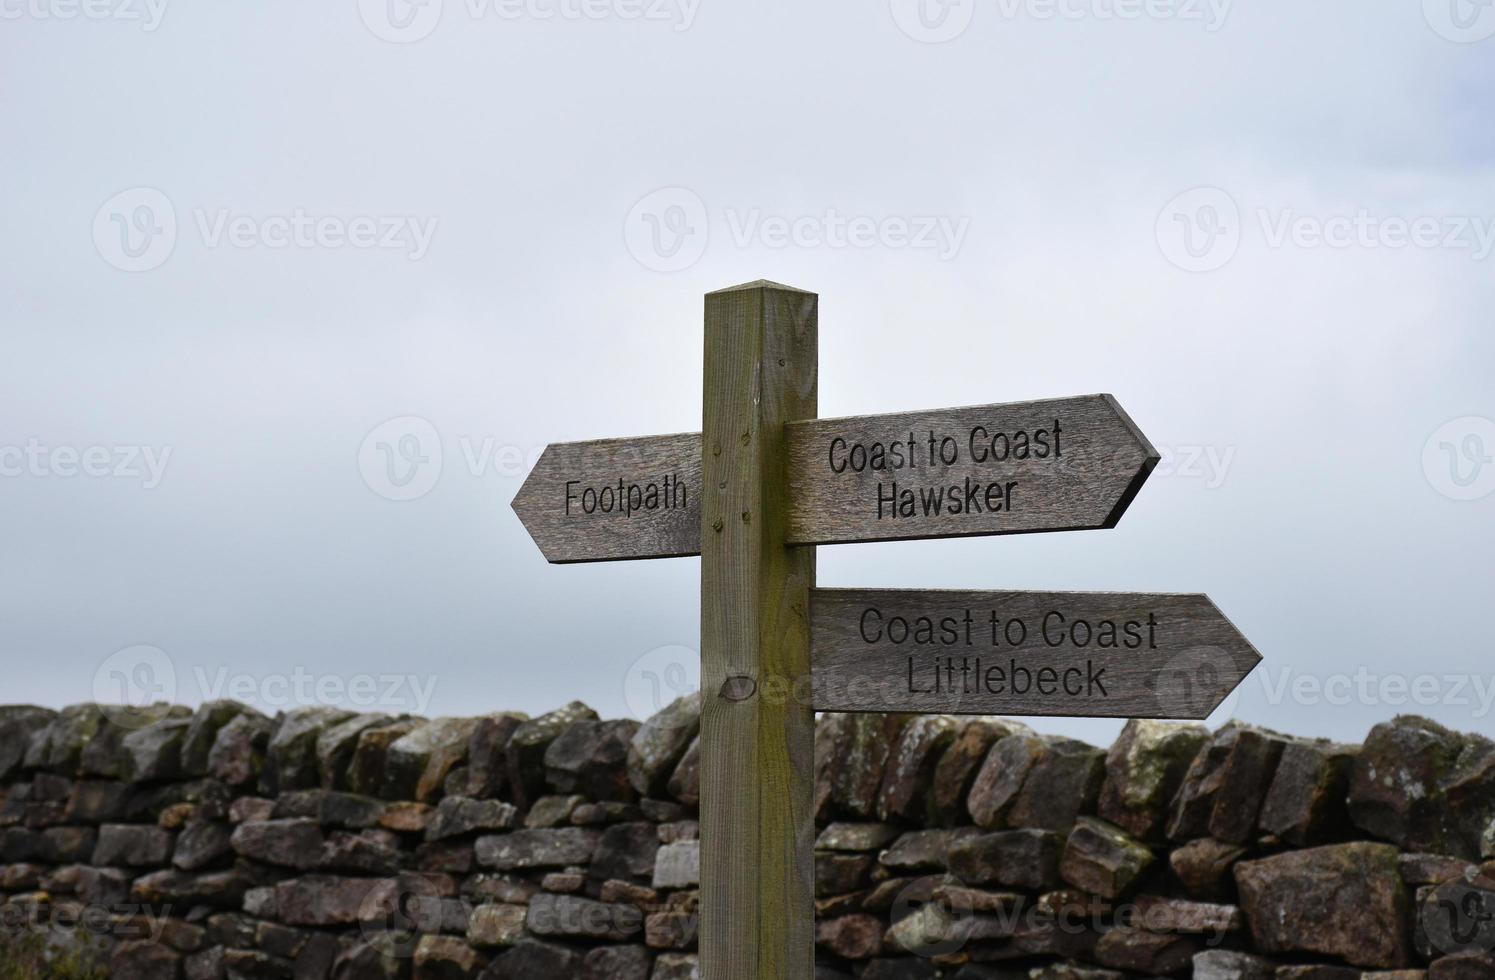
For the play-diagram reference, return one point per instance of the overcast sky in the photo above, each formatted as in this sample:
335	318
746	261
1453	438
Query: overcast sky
247	243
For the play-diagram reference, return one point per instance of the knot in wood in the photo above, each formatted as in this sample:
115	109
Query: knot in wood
739	688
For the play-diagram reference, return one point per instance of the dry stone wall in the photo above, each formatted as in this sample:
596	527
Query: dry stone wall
221	843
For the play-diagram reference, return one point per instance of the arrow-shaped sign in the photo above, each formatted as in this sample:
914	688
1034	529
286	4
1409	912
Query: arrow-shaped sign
1057	465
1094	654
615	498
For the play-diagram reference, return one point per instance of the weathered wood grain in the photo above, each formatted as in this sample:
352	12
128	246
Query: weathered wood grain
1174	656
555	511
757	746
1071	464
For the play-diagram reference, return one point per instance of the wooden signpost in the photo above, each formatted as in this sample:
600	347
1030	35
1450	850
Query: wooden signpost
766	481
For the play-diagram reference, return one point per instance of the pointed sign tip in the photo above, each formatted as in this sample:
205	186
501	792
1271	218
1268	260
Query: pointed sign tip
1134	487
1132	427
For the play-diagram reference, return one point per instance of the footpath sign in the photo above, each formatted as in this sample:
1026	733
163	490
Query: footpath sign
615	498
766	481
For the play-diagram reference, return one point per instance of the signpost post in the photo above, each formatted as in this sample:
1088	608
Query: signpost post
757	743
766	481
